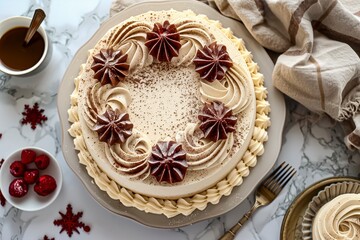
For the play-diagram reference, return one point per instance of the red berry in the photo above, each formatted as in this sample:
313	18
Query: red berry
31	175
17	169
27	156
45	185
42	161
18	188
87	228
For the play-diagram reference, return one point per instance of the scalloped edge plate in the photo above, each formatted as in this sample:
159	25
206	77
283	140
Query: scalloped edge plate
265	162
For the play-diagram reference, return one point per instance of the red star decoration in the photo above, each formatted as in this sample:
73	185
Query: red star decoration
47	238
33	116
2	199
70	222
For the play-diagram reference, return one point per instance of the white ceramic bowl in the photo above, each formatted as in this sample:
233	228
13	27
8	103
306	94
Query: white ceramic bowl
21	21
31	201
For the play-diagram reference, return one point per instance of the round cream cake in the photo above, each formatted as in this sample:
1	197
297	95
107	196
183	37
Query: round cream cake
178	118
338	219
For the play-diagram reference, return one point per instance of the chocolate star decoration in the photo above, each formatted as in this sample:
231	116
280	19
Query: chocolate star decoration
216	121
110	66
163	42
212	62
113	126
168	162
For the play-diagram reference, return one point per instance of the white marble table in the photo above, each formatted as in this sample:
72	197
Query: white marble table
315	149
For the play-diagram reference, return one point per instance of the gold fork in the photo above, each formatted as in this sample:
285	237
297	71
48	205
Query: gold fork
265	194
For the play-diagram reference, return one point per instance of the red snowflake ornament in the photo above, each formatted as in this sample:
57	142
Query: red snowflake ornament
47	238
70	222
2	198
33	116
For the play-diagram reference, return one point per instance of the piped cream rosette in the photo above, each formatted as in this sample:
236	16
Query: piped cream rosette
338	219
130	157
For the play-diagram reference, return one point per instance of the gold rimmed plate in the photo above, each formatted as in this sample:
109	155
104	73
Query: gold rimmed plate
292	222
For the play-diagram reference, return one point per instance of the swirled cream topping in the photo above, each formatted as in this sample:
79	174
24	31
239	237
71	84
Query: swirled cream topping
130	158
100	97
202	153
130	38
233	91
338	219
193	36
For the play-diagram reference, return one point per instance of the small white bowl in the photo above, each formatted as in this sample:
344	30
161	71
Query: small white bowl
31	201
21	21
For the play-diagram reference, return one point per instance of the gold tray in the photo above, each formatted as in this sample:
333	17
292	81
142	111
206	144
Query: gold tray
291	225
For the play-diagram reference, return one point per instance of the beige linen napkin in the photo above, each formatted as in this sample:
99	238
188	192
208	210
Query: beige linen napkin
319	42
319	46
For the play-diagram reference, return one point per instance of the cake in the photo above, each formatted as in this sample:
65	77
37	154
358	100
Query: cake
339	219
169	112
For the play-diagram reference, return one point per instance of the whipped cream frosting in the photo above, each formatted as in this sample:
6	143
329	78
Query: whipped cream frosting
338	219
202	153
122	170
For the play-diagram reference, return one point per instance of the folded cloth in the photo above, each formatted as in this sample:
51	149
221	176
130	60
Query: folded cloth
319	42
319	46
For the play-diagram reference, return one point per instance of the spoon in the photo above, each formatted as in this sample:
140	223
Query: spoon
39	16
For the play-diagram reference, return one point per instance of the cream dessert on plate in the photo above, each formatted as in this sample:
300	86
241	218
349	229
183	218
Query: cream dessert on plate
169	112
338	219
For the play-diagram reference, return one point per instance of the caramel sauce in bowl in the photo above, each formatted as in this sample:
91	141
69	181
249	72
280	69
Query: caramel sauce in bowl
19	59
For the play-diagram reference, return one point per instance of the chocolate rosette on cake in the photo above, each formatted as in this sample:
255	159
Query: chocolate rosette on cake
163	41
212	62
168	162
110	66
113	127
216	121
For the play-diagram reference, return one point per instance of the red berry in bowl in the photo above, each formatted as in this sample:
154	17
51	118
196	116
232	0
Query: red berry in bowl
42	161
17	169
27	156
31	175
45	185
18	188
